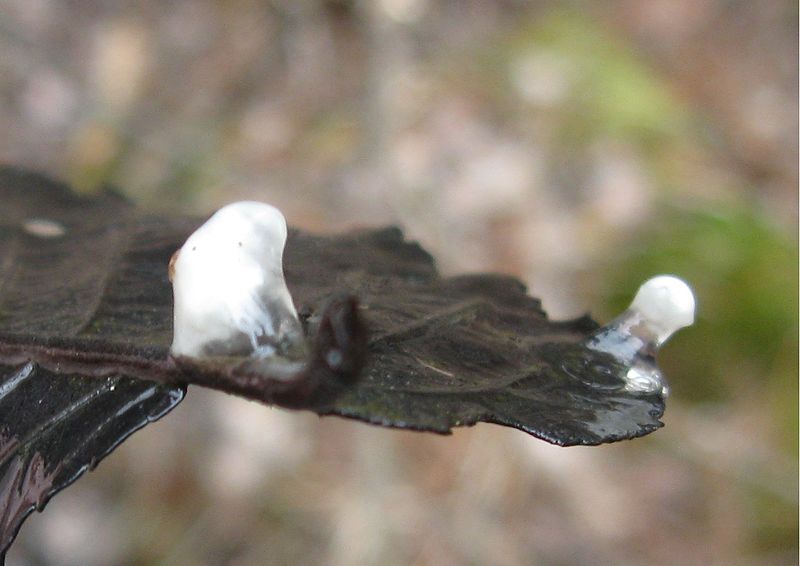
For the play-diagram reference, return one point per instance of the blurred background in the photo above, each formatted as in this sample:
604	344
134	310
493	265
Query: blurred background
581	146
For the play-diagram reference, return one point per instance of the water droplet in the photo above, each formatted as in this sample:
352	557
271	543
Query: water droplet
334	358
645	378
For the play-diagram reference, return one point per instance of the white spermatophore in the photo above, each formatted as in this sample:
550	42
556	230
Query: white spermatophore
228	285
662	306
666	304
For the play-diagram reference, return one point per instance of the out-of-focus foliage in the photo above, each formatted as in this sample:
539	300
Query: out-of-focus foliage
605	89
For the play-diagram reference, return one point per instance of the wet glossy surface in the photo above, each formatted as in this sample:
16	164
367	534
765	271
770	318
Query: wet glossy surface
55	427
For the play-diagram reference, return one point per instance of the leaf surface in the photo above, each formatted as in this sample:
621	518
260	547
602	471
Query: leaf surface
71	267
86	322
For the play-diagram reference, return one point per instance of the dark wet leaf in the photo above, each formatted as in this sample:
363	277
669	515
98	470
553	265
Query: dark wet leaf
84	295
452	352
55	427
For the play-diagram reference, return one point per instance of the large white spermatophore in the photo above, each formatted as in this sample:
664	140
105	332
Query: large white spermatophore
229	290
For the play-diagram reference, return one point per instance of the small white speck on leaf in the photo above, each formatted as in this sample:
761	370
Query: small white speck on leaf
43	228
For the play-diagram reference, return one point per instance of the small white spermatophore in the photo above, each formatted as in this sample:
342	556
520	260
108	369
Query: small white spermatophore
230	295
662	306
666	304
